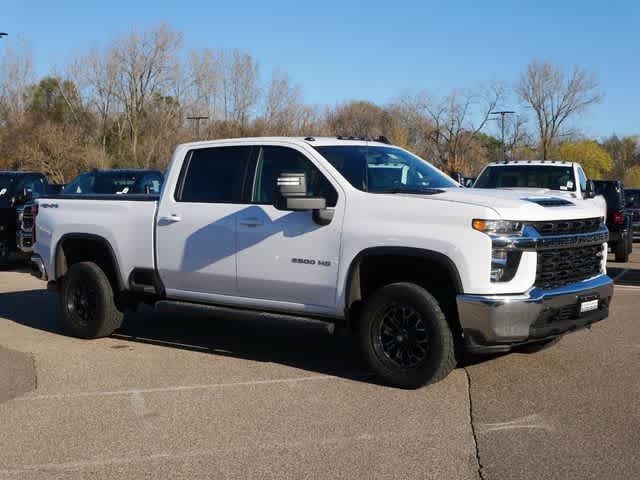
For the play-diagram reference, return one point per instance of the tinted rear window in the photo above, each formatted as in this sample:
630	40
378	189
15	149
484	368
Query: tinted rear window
214	175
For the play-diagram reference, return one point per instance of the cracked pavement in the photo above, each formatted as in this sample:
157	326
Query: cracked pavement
191	397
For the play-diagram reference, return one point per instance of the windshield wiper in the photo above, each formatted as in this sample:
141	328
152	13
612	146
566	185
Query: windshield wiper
412	190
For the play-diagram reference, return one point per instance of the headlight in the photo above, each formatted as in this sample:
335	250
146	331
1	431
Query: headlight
498	227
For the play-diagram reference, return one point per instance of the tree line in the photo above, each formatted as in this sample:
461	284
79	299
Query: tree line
129	103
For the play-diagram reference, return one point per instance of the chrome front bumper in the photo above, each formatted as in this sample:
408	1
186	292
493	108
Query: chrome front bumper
498	322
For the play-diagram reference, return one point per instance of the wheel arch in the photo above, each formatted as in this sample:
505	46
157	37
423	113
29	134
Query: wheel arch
77	247
356	288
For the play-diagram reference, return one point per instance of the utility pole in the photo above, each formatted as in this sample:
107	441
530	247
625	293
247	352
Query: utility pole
196	124
502	113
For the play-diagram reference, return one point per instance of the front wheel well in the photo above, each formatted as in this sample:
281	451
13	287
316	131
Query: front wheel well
433	271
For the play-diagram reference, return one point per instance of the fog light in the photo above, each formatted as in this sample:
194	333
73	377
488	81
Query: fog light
504	264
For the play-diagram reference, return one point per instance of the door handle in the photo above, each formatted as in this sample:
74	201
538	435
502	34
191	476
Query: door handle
173	218
251	222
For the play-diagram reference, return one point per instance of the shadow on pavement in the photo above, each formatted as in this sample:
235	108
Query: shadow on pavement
297	344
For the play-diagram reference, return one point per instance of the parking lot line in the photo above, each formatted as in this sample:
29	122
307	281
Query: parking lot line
180	388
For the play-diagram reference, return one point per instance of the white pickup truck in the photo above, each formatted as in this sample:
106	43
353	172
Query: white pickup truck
350	232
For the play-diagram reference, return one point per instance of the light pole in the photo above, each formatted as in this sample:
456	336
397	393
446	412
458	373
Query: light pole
196	119
502	113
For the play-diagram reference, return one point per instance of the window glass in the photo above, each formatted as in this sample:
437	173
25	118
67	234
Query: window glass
35	184
272	161
384	169
214	175
150	183
583	179
527	176
81	184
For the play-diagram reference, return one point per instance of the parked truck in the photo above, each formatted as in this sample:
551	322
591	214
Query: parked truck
17	189
354	233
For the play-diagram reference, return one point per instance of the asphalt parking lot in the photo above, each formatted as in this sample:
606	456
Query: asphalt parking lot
217	398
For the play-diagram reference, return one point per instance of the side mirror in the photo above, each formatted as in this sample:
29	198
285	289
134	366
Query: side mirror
590	190
291	194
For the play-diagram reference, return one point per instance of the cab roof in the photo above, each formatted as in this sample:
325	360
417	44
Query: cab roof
533	162
309	140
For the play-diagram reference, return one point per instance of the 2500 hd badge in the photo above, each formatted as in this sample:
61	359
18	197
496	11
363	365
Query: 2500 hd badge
310	261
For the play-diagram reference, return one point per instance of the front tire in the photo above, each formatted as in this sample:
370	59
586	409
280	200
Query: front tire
405	337
622	251
87	302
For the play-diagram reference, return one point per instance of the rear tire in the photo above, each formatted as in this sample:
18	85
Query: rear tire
87	302
622	251
405	337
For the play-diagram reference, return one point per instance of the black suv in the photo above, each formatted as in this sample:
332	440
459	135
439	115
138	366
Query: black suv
16	190
618	218
632	197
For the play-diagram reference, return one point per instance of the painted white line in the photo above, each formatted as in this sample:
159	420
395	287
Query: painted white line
92	464
181	388
529	422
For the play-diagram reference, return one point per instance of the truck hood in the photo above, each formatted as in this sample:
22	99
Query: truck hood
525	204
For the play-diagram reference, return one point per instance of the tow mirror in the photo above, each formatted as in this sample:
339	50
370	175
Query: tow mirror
291	194
590	189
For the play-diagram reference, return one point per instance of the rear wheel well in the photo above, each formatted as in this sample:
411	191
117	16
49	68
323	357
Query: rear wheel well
76	249
432	271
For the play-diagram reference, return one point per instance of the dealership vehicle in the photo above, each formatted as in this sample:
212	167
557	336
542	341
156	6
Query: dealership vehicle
354	233
24	225
618	218
632	197
566	179
117	181
17	189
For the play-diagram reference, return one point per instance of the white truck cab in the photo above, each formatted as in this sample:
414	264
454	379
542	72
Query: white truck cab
537	176
347	231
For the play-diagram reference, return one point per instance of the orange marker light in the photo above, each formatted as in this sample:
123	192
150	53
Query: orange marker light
479	225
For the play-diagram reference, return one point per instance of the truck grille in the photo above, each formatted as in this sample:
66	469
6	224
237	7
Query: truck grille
567	227
565	266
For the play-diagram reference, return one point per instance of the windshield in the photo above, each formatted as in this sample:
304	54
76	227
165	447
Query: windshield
384	169
103	183
527	176
6	185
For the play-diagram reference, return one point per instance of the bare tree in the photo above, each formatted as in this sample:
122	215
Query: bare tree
144	64
284	112
555	97
359	118
16	76
456	120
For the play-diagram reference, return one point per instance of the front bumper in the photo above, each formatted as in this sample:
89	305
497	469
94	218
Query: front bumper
493	323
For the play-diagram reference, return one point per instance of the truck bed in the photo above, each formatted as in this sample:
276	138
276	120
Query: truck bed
125	221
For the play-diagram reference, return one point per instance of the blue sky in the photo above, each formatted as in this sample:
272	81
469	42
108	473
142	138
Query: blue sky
371	50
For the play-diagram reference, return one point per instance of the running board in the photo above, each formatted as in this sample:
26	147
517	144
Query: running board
172	306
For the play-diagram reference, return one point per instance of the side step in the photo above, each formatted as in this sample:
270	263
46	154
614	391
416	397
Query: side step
171	306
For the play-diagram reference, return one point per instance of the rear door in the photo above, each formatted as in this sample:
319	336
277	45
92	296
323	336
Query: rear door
196	225
286	256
